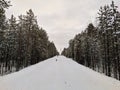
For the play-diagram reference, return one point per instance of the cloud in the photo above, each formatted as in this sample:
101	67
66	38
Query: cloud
62	19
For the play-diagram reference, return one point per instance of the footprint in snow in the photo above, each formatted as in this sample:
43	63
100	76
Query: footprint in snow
67	84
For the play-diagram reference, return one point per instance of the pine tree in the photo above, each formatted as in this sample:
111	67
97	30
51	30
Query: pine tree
115	28
3	26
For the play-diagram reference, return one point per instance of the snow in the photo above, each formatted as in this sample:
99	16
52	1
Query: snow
58	73
118	32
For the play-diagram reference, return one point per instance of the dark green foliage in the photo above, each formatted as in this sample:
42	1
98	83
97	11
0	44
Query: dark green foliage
3	5
52	51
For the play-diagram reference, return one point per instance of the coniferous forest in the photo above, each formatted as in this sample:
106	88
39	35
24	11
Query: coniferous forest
98	46
22	41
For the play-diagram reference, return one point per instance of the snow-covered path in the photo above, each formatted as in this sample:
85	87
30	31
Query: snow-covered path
58	73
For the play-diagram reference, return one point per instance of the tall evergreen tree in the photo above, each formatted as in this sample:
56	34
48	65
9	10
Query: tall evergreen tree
99	47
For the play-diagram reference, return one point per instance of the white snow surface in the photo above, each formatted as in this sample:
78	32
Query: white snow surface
58	73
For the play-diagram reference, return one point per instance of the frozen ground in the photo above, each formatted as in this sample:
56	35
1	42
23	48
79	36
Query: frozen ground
57	73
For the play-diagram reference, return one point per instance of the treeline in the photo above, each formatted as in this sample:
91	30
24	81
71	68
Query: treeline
22	42
98	47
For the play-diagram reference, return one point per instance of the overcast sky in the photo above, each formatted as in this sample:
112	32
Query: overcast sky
62	19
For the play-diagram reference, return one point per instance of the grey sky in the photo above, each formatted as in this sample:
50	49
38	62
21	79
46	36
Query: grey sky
62	19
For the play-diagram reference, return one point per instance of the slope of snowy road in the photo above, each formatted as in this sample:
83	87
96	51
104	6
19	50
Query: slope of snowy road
57	73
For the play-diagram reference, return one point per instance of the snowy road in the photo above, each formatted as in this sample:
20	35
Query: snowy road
58	73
